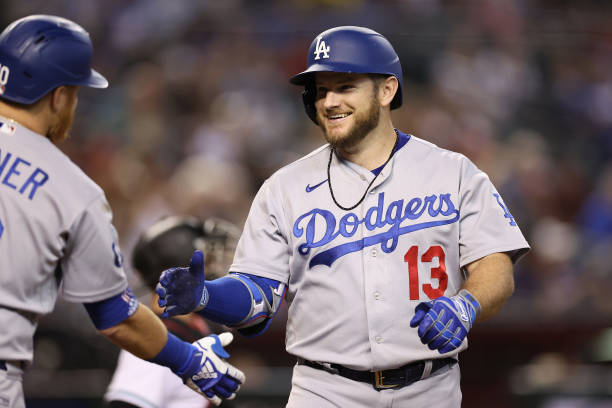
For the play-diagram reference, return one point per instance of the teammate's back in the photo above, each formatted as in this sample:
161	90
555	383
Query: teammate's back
56	231
43	199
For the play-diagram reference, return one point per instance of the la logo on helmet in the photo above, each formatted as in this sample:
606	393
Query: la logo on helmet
4	74
321	48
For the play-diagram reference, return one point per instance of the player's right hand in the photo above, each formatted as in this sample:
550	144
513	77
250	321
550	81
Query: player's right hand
209	373
183	290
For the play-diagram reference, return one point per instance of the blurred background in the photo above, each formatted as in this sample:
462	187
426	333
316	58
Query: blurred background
200	112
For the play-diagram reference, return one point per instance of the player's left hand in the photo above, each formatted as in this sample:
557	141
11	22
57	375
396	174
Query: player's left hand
214	377
444	322
183	290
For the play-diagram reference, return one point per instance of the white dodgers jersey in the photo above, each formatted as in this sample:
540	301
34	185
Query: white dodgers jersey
355	277
56	237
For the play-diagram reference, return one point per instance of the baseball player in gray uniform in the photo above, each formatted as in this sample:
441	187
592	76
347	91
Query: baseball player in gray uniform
56	235
389	248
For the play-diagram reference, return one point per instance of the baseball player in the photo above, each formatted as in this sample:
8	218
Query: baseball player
56	235
169	241
389	248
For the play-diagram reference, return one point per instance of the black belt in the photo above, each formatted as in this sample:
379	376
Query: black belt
380	380
2	365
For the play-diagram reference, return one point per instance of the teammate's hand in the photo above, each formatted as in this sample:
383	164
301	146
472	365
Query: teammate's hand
208	373
182	290
444	322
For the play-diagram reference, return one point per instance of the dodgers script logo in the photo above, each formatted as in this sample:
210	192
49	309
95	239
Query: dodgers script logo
376	218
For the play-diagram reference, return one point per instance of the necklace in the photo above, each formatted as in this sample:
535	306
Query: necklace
331	190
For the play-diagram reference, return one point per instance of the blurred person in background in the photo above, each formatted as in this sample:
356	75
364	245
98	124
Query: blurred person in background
169	241
56	231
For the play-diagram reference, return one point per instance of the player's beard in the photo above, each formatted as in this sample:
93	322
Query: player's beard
365	122
60	131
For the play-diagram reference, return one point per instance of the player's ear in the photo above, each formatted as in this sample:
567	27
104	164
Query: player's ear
61	96
387	88
56	98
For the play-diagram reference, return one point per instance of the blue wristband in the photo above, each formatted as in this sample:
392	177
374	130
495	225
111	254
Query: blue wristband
177	355
112	311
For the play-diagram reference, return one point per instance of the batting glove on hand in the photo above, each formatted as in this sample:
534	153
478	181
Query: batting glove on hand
182	290
208	373
444	322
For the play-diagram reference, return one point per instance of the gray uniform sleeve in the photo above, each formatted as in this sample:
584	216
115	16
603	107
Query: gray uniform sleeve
263	249
92	266
486	225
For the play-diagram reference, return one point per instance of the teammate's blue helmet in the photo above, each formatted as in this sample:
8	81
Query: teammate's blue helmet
349	49
38	53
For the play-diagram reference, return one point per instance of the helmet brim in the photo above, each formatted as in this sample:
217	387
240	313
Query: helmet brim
95	80
302	78
306	77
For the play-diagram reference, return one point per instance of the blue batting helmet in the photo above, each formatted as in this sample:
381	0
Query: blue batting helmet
349	49
38	53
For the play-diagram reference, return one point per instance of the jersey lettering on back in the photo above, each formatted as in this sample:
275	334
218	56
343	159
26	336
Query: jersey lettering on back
17	174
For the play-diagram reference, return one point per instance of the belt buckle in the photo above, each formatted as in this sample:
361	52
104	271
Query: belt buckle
380	384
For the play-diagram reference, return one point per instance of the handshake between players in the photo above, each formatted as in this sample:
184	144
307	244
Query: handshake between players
203	367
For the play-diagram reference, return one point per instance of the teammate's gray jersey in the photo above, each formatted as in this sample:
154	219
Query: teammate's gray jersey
55	236
355	277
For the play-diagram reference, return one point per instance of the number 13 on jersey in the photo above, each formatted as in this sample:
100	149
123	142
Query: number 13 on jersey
435	272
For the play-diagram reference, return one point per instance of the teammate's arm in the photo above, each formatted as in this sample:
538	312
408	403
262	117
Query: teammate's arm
142	334
244	301
135	328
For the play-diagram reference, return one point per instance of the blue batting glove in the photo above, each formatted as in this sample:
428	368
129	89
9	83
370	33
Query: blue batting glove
182	290
444	322
209	374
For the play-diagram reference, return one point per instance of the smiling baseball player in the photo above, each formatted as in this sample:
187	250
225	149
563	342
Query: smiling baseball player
56	235
389	247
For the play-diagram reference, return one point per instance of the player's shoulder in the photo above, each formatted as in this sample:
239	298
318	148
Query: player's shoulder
433	153
304	165
432	148
75	178
64	174
447	159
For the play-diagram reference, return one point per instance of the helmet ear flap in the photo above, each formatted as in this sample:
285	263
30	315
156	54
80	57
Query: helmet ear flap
308	97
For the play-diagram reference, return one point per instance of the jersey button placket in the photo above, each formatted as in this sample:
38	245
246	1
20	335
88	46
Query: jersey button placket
371	270
377	276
